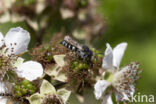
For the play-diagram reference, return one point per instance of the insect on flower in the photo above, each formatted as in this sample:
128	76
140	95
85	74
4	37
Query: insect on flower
82	51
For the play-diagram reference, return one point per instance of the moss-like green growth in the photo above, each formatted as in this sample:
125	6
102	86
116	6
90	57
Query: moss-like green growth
78	65
97	53
24	88
48	54
43	54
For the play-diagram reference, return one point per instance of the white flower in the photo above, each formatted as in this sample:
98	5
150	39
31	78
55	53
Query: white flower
121	81
30	70
16	42
113	57
100	87
48	93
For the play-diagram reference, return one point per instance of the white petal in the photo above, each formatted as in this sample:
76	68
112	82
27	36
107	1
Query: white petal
107	99
125	97
18	39
118	96
2	87
132	90
47	88
30	70
3	100
65	94
100	87
108	58
118	53
59	59
5	87
1	39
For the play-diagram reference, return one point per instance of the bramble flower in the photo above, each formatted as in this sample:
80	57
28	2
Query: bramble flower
13	44
121	82
49	95
16	41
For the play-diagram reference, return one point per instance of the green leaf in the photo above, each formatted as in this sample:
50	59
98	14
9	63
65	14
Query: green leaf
64	94
11	76
61	77
47	88
59	59
35	99
53	70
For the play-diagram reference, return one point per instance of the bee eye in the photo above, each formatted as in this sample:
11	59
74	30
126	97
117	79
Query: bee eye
73	48
85	48
62	42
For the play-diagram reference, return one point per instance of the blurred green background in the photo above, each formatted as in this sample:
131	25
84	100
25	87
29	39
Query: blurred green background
134	21
131	21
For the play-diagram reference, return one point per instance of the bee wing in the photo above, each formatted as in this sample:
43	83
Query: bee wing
71	41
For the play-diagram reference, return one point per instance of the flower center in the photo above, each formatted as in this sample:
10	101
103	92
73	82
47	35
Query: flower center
109	76
52	99
6	61
125	79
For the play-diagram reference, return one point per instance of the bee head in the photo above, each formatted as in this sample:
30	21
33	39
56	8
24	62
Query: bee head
85	48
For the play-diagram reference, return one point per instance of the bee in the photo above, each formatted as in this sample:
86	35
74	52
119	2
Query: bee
82	51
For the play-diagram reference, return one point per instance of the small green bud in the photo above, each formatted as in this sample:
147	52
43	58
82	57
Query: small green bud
30	86
85	66
17	88
75	63
80	66
18	94
23	86
25	82
76	69
94	60
24	91
32	91
34	88
100	55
